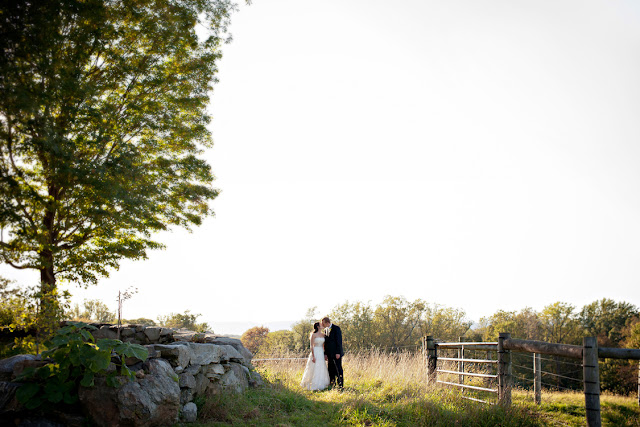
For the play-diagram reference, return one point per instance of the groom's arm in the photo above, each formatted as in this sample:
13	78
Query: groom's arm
339	342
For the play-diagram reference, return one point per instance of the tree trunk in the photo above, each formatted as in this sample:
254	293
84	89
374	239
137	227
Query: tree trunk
48	311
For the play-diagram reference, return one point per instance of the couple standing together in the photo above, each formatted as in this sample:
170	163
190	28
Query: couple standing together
326	349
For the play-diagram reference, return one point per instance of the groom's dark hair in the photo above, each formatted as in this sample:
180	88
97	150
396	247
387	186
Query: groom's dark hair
326	319
316	327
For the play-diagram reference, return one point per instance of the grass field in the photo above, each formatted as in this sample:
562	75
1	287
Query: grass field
384	390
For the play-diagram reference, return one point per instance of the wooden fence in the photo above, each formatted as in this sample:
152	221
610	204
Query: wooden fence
588	353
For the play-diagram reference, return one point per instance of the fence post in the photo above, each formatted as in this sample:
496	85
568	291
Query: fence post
591	378
537	378
638	382
460	362
432	360
504	371
423	341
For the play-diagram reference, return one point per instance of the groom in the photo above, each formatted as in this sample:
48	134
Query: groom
333	352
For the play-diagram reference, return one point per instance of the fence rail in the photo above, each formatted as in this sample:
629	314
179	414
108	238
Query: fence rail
457	359
279	358
468	374
488	346
471	387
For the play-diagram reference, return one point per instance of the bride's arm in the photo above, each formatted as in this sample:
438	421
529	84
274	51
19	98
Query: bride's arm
313	356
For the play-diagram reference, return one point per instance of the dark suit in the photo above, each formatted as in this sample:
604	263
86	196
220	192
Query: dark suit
332	347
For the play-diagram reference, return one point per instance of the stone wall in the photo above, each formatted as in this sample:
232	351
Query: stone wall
182	365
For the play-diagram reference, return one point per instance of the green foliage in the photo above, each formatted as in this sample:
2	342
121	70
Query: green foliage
139	321
93	310
357	323
632	333
185	320
612	322
607	320
102	125
302	328
14	307
396	323
278	342
21	309
524	324
560	324
76	359
393	324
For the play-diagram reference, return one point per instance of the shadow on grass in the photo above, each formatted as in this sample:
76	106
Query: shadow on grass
614	414
568	409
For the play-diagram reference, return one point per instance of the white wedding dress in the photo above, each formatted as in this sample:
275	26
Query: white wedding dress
316	375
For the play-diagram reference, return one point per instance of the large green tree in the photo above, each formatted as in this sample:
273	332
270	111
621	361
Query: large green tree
359	330
560	324
102	126
607	320
524	324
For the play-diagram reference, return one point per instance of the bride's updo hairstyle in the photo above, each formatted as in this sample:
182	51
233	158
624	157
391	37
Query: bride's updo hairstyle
316	327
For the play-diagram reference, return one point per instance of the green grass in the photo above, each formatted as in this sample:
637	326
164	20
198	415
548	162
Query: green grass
567	408
380	393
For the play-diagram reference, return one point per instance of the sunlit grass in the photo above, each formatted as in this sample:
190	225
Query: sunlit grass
389	390
567	408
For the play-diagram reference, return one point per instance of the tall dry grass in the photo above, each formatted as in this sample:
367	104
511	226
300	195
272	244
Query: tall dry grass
402	368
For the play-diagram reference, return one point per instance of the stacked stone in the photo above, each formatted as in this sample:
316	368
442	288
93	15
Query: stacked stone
137	334
182	365
206	368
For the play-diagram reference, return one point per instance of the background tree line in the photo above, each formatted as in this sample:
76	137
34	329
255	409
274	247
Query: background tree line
399	324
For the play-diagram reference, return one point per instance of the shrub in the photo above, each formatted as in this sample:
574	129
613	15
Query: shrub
75	359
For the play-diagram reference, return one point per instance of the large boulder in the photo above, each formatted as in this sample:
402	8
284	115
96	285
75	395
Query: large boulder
152	333
230	354
178	355
187	380
204	354
8	365
235	379
153	400
201	384
189	413
214	371
185	335
233	342
8	401
106	331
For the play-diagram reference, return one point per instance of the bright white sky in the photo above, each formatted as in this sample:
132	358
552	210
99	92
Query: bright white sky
481	155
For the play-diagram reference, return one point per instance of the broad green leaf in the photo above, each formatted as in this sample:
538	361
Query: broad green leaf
87	379
132	350
112	380
107	344
125	371
27	391
87	336
33	403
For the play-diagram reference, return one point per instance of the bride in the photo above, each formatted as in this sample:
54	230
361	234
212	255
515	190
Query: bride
316	374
